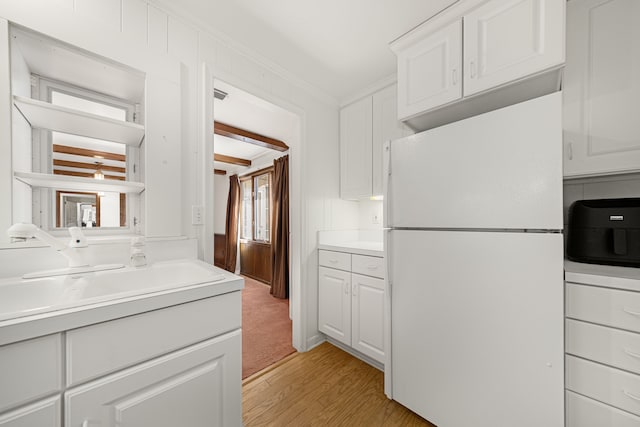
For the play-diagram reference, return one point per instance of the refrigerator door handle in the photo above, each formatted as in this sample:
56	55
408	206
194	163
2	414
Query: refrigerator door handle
386	169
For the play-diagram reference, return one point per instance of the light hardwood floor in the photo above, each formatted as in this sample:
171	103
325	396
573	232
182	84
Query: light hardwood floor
323	387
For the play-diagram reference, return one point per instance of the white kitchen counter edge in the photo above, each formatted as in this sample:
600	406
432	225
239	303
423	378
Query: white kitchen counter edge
358	248
603	275
27	327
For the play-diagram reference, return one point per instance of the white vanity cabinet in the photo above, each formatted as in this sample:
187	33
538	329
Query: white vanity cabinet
364	126
601	88
195	386
474	46
31	377
175	365
602	346
351	301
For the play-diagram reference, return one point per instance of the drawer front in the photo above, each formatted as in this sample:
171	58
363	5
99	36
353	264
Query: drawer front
608	385
585	412
338	260
620	349
611	307
45	413
30	370
368	265
106	347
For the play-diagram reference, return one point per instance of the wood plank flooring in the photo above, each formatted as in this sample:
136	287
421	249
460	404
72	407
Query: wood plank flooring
323	387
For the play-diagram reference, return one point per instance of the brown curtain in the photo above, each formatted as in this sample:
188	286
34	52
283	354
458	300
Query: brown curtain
231	227
280	229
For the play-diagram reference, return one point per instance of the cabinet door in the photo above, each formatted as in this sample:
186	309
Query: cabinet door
199	386
429	72
601	87
355	150
45	413
367	305
334	303
386	127
505	40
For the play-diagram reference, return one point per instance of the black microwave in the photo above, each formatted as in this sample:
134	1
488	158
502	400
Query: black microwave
605	231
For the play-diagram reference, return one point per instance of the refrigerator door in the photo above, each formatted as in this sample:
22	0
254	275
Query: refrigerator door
477	327
499	170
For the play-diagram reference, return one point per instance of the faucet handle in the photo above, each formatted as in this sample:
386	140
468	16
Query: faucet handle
78	239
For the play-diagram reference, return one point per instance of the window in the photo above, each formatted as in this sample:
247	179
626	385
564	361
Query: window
256	206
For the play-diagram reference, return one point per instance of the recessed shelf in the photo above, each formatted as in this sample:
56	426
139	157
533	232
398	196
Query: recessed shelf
43	115
74	183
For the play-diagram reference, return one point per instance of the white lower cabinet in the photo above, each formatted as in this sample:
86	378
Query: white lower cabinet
351	303
175	366
44	413
334	303
602	346
190	387
585	412
367	307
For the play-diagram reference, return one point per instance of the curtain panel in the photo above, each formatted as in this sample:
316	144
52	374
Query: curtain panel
280	229
231	227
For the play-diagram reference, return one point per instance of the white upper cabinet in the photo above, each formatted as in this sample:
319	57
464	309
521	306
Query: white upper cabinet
429	71
364	126
602	88
355	149
505	40
472	48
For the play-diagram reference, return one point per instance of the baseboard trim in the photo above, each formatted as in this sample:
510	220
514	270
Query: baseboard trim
355	353
314	341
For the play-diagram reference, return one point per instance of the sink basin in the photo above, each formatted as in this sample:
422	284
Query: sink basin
25	297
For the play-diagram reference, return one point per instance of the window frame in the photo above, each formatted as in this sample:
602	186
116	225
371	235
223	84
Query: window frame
252	176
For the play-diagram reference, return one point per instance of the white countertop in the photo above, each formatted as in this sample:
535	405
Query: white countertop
603	275
26	327
356	247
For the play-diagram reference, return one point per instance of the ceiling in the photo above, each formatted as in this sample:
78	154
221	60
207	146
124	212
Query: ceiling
246	111
339	46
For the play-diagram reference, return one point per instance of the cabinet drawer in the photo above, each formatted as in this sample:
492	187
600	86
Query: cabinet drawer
29	370
585	412
45	413
105	347
608	385
611	307
339	260
368	265
620	349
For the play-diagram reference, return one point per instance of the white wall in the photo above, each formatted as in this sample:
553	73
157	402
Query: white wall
171	50
370	214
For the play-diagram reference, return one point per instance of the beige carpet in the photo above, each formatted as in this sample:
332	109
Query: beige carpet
266	328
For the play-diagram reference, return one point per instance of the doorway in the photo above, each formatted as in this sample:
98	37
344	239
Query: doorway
251	216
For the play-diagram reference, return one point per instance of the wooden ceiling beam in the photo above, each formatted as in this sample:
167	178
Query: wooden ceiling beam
92	166
219	172
88	153
232	160
249	137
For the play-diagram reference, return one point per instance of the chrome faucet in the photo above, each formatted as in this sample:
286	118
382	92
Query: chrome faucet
20	232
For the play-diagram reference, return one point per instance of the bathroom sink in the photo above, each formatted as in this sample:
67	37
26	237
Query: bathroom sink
25	297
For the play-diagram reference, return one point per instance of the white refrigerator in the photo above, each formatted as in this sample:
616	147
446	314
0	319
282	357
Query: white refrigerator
475	269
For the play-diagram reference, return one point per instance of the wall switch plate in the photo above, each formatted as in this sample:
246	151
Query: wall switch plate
197	213
375	219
